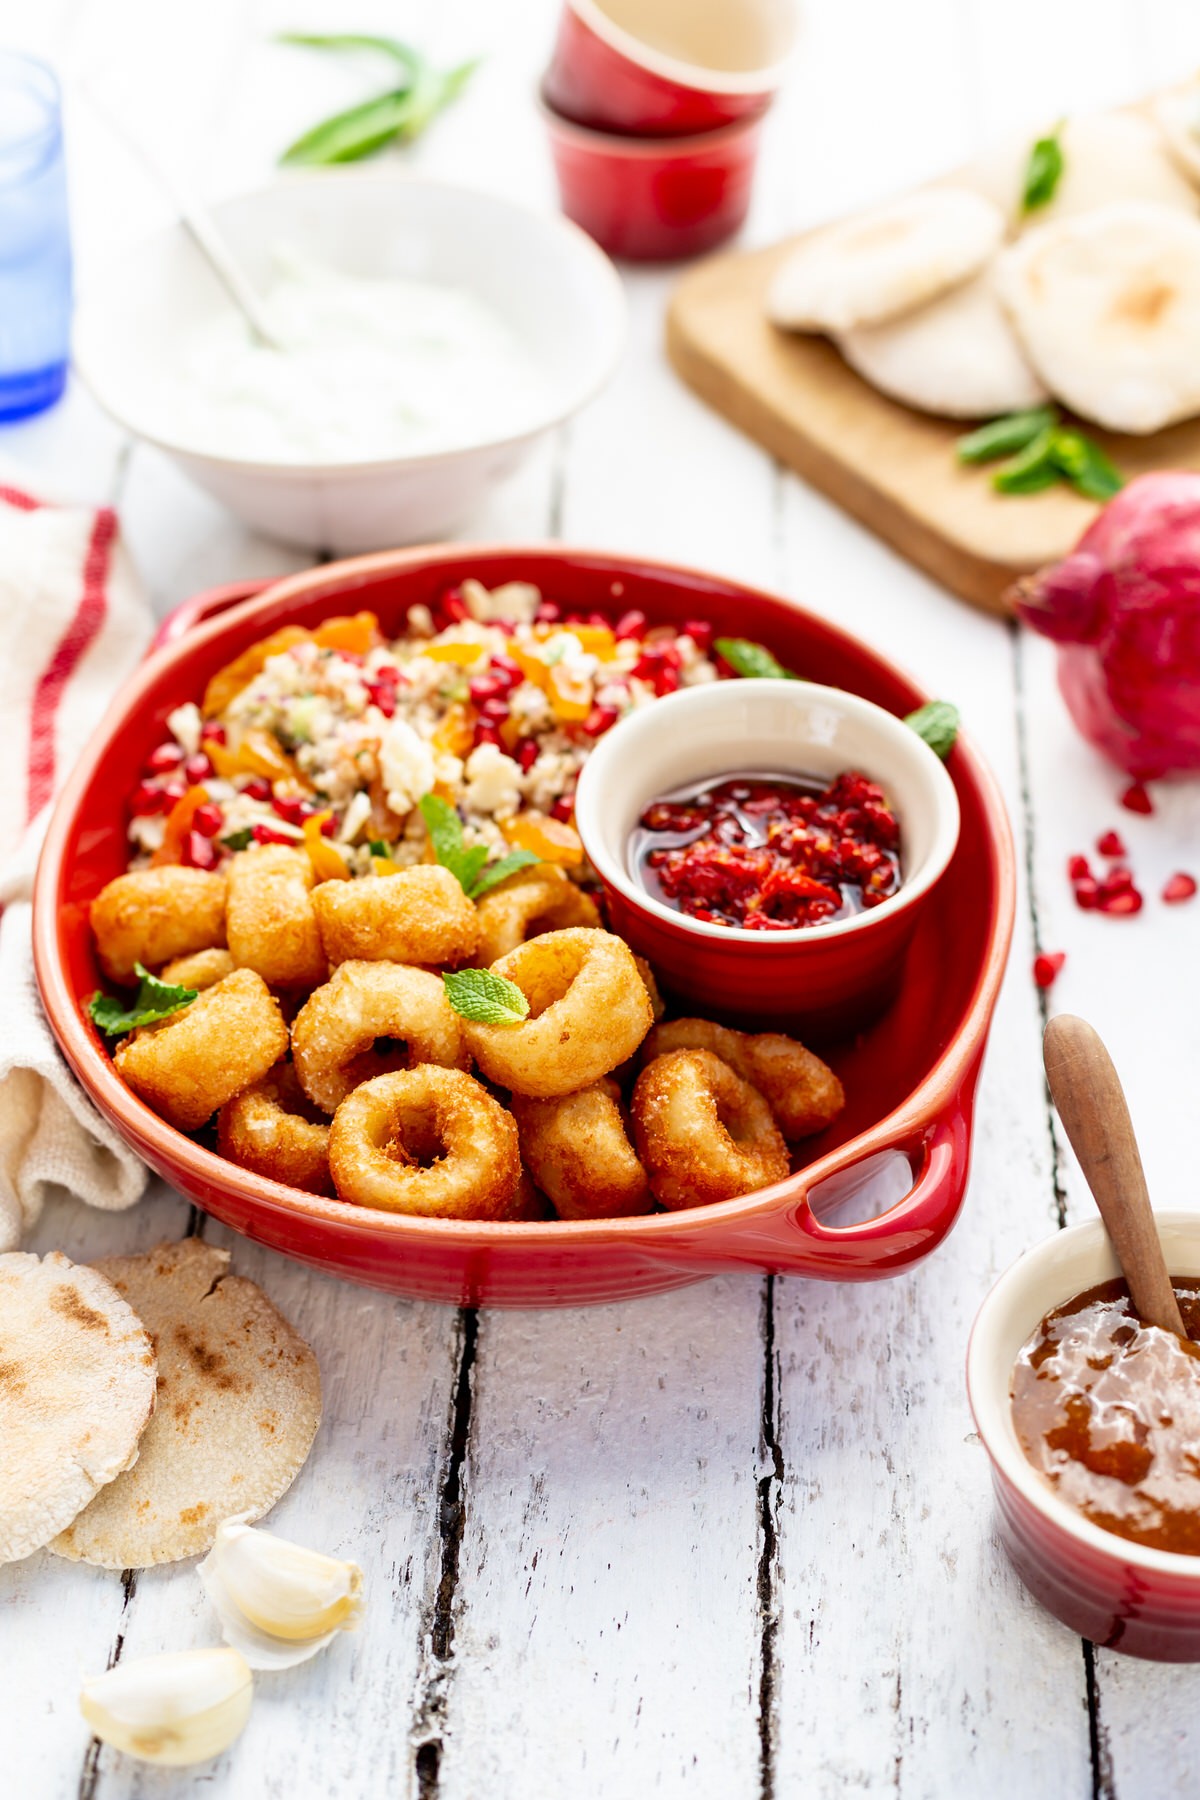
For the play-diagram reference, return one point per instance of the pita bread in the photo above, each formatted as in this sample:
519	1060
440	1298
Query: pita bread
77	1383
239	1402
1107	157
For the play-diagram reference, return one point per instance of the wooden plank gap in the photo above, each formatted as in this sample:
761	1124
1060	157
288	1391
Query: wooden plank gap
89	1775
1104	1786
770	1494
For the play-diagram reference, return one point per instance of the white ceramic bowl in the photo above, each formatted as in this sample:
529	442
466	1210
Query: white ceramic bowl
1124	1595
545	278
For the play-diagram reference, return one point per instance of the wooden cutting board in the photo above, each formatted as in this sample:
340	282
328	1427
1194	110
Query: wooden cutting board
892	468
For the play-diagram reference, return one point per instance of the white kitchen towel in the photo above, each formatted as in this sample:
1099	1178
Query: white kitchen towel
74	621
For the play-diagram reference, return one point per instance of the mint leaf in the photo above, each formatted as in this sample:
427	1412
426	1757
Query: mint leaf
1085	466
486	998
1003	437
155	1000
239	840
500	871
1032	469
445	834
1043	171
377	847
936	722
752	660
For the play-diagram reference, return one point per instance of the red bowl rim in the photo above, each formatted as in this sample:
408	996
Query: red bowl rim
619	144
166	1145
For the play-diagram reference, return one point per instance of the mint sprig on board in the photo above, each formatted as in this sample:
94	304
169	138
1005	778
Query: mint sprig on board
155	1000
485	998
470	868
937	723
751	660
399	114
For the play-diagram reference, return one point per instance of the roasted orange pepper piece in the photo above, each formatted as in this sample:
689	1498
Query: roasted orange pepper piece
459	650
228	682
356	632
456	733
328	863
549	839
179	823
570	695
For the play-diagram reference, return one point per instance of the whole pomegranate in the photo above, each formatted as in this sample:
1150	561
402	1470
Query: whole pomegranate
1124	610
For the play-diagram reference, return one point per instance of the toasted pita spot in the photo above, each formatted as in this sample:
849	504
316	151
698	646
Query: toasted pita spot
77	1387
227	1360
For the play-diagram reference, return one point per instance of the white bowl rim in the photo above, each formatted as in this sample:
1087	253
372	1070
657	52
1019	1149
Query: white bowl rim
606	276
945	841
763	80
989	1394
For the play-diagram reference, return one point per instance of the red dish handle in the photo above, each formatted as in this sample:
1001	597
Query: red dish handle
202	607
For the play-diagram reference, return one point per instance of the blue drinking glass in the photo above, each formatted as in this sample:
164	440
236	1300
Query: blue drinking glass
35	244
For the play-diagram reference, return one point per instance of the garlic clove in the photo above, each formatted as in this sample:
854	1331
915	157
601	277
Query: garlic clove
278	1602
181	1708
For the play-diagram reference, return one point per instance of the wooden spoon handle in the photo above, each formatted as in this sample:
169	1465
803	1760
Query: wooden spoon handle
1091	1104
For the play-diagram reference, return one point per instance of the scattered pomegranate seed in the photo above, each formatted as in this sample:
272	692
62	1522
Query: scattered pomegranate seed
329	826
208	820
173	791
1079	868
1126	901
1119	877
383	695
1047	965
1135	799
267	834
211	732
700	632
147	799
563	808
199	851
600	720
1110	844
1087	894
528	751
167	756
631	624
257	788
291	807
494	711
504	670
197	768
487	732
453	607
484	687
1179	887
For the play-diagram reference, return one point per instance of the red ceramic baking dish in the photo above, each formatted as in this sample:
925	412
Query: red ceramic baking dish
910	1079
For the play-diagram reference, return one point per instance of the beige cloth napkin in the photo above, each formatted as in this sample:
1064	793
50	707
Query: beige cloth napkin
74	621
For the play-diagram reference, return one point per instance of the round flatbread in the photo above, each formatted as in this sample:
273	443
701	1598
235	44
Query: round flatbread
1107	157
239	1402
77	1385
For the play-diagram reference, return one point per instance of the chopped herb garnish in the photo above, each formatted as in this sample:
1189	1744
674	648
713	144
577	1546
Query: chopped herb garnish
155	1000
239	840
1041	451
470	868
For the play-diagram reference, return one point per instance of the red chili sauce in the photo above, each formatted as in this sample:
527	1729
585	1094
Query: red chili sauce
1108	1410
769	852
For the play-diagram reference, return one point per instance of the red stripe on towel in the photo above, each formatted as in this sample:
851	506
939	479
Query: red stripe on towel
12	496
76	640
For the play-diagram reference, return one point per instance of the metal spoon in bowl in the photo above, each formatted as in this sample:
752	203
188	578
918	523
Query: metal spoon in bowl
1087	1091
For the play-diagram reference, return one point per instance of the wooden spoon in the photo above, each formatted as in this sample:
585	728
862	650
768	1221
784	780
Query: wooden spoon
1091	1104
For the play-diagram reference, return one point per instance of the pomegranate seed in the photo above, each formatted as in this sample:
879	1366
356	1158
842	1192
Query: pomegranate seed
486	732
494	711
1119	877
147	799
1047	965
174	790
700	632
453	607
528	752
167	756
1135	799
600	720
199	851
504	670
383	695
329	826
1079	868
1121	904
1087	894
548	613
257	788
197	768
563	808
211	732
666	681
208	820
631	624
1180	887
267	834
1110	844
291	807
484	687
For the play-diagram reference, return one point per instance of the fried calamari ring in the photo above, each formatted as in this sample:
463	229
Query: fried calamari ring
269	917
702	1132
588	1011
418	915
803	1092
271	1129
538	899
200	970
152	915
528	1202
191	1063
337	1029
429	1141
578	1151
657	1003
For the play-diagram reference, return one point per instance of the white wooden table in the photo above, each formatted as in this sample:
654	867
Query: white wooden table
735	1541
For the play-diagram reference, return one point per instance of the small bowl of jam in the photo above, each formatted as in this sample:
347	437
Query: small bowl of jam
1092	1423
767	845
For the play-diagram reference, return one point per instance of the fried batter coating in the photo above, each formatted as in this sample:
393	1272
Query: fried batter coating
190	1064
539	898
200	970
657	1003
803	1092
588	1011
152	915
702	1132
578	1151
337	1030
429	1141
418	915
269	916
272	1129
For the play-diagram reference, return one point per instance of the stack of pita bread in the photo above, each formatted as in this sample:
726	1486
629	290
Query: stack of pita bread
958	301
143	1400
